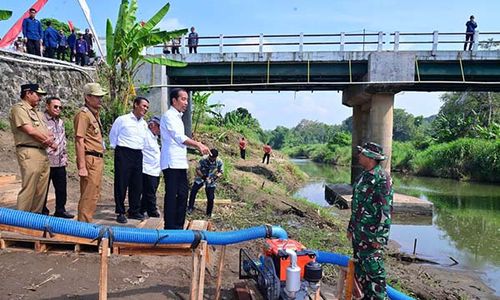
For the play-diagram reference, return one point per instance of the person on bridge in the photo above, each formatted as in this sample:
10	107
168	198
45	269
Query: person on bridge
33	33
469	33
193	41
267	153
370	221
50	40
209	170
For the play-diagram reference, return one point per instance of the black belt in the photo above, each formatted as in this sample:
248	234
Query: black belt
30	146
94	153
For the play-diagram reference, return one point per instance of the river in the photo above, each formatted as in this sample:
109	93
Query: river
465	223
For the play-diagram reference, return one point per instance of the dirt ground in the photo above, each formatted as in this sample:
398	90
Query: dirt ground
67	275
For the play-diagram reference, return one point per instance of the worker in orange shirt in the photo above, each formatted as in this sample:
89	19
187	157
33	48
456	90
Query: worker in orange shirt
243	147
267	153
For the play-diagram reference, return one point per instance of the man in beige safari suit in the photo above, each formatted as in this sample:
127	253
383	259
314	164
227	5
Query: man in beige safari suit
31	137
89	151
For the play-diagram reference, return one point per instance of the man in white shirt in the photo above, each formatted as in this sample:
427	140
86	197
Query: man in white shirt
174	161
127	137
151	169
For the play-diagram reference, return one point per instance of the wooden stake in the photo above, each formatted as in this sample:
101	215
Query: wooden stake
340	282
219	272
195	275
203	248
103	278
349	280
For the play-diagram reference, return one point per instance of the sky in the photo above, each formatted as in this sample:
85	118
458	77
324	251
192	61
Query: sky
232	17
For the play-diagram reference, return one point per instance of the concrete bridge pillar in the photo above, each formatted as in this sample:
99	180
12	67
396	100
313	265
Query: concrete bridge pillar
360	131
381	121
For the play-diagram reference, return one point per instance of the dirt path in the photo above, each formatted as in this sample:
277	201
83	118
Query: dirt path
63	275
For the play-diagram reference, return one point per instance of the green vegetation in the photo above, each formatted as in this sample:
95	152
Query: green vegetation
4	125
5	14
125	44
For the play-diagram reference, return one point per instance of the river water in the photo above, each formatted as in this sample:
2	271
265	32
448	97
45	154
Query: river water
465	223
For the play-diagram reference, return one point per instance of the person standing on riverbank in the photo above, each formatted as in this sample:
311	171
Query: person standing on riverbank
243	147
267	153
370	221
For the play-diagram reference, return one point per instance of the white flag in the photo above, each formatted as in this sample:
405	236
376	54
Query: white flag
86	12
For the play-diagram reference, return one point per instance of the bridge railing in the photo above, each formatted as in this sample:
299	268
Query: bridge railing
303	42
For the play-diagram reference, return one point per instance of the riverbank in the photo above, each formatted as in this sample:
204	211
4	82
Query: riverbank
260	194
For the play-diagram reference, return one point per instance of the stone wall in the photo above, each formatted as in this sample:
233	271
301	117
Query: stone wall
58	78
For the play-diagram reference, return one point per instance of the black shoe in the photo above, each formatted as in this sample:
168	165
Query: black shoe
189	211
64	214
154	214
137	216
121	219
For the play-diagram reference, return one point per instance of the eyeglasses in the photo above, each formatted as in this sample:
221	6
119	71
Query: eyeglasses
58	107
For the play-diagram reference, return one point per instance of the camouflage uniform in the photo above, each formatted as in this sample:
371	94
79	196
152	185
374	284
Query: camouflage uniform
370	223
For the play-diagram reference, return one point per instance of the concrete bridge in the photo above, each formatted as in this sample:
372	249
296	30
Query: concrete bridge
370	69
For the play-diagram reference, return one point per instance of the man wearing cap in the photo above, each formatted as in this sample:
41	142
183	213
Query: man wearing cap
370	221
209	170
89	151
173	159
58	157
151	169
32	31
31	137
127	137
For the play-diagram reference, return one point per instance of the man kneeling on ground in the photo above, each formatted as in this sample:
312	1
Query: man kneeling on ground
208	171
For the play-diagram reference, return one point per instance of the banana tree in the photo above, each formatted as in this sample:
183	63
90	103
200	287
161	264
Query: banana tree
5	14
201	107
125	45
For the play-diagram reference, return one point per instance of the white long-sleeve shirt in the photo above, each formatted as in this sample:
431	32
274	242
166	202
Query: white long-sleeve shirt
128	131
173	150
151	155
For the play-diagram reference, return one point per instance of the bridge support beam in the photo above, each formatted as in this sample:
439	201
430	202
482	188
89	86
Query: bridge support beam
381	121
372	122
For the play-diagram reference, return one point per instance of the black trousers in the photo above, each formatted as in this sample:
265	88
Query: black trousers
128	175
148	197
61	53
209	191
176	195
469	40
72	54
266	155
33	47
59	181
243	153
80	59
50	52
192	49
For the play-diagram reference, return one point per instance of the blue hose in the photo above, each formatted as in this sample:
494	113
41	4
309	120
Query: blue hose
134	235
342	260
156	236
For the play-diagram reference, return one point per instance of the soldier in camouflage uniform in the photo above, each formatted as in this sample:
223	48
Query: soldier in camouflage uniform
370	221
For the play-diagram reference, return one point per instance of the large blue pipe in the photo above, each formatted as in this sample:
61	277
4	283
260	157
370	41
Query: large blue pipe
156	236
134	235
343	260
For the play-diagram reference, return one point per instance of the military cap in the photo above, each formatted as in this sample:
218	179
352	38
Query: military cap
372	150
34	87
93	89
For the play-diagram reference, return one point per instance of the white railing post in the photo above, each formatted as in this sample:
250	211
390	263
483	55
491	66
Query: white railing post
342	41
301	42
476	41
221	43
261	43
435	41
183	45
380	41
396	41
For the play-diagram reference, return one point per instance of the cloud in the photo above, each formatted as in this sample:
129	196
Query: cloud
171	24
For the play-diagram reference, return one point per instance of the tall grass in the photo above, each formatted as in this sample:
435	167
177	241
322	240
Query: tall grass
465	159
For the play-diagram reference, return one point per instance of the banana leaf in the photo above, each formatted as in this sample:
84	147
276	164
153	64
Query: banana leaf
5	14
109	43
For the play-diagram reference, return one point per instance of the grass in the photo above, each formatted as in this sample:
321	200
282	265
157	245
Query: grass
4	125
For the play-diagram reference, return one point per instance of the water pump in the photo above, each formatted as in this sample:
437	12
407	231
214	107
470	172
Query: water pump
285	270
